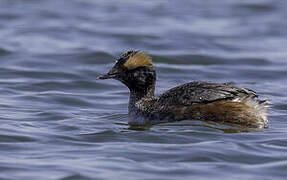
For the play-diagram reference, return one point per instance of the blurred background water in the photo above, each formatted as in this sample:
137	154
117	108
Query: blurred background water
58	122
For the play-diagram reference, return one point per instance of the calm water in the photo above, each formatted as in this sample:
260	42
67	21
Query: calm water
58	122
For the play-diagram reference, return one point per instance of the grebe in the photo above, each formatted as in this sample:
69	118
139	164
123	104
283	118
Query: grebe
217	102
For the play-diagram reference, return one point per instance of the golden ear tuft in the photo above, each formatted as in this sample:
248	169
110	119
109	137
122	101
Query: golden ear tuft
139	59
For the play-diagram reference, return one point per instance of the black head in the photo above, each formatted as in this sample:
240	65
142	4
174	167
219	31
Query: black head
134	69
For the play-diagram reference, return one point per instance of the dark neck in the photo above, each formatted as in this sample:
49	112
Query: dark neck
141	82
138	94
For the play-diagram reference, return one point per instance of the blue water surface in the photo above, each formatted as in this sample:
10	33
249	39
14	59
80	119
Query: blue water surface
58	122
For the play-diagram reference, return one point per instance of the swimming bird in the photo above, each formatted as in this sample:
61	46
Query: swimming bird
215	102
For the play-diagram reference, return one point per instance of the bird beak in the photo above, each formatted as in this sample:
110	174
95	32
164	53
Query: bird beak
106	76
113	73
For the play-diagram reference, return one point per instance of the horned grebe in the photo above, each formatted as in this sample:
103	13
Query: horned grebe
217	102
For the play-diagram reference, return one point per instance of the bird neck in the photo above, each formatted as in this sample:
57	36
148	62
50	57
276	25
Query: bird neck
139	94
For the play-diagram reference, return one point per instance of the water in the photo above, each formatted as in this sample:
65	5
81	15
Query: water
58	122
